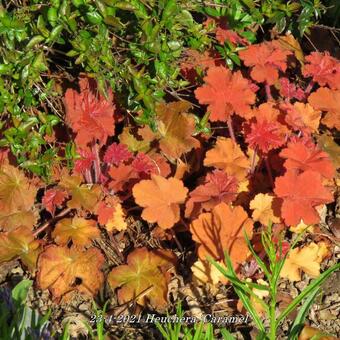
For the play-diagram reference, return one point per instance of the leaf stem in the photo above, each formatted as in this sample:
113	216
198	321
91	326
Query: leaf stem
268	92
97	171
231	130
48	223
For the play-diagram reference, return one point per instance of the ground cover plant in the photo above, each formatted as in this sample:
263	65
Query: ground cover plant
169	159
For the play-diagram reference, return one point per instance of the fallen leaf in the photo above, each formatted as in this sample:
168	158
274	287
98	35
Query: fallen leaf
222	230
144	277
160	198
306	259
77	229
63	270
228	156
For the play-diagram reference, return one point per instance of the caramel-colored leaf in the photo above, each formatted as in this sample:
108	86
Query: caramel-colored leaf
16	192
83	195
160	197
77	229
228	156
263	211
305	259
222	230
175	128
144	277
20	243
63	270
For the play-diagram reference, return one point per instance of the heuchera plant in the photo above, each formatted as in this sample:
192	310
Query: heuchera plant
260	163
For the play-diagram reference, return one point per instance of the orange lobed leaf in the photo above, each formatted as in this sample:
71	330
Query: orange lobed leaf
133	144
328	144
301	157
89	113
302	117
228	156
160	197
222	230
77	229
327	100
262	204
83	195
63	270
306	259
301	193
218	187
16	192
20	243
175	128
144	277
121	175
312	333
266	60
225	93
324	69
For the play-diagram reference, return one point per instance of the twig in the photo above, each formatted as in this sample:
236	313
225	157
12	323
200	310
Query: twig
231	130
48	223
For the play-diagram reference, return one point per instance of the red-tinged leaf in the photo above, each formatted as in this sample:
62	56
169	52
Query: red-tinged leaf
218	187
266	60
160	197
145	277
224	33
324	69
194	60
77	229
265	136
53	198
301	157
117	153
301	193
20	243
225	93
222	230
327	100
289	90
121	176
143	164
85	162
111	215
64	270
89	114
